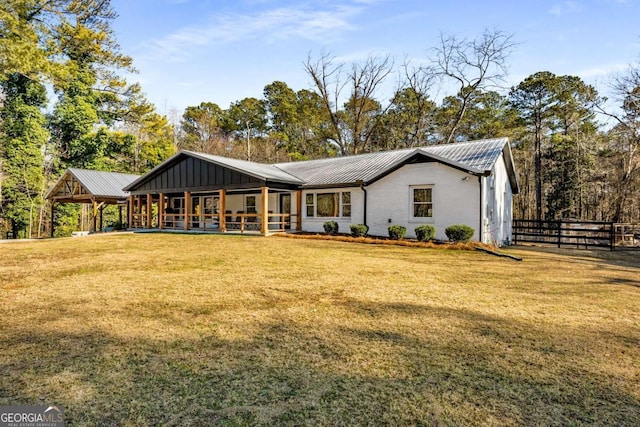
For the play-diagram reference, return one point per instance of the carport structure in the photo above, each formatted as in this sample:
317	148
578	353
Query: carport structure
90	187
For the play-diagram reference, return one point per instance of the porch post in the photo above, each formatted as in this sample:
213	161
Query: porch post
222	206
161	211
95	214
264	206
149	203
53	211
139	209
120	215
299	210
130	211
101	209
187	209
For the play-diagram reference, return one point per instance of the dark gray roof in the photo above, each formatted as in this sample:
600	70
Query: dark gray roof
98	183
476	157
258	170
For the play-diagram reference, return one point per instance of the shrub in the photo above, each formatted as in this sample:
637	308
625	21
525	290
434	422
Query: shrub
459	233
359	230
330	227
397	232
426	232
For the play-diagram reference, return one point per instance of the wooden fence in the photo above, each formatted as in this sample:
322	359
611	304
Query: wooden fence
578	234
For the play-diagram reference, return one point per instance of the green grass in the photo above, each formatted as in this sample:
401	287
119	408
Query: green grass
191	330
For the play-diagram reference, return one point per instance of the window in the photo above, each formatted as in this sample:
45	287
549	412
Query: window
422	202
250	204
310	205
329	205
346	204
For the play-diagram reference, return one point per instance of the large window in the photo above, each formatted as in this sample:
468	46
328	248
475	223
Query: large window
329	205
422	202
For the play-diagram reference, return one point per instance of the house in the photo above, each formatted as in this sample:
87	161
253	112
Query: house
463	183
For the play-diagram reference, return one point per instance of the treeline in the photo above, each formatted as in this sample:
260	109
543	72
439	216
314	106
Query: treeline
571	163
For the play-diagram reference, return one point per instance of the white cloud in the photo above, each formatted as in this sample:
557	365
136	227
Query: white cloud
271	25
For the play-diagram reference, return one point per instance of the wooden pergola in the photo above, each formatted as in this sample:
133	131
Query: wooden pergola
96	188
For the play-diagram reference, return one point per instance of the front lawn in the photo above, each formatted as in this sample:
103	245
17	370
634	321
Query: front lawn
192	330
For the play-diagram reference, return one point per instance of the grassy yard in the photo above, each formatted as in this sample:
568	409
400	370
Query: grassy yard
192	330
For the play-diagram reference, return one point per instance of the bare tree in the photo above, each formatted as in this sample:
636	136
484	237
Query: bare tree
352	128
626	136
473	65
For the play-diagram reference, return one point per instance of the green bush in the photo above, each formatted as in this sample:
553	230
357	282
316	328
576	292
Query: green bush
397	232
426	232
330	227
359	230
459	233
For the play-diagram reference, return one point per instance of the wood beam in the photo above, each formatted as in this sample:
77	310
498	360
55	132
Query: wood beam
53	212
130	211
264	206
187	209
149	210
161	211
95	214
299	210
222	206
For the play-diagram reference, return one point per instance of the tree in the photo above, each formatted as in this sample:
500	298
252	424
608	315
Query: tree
534	98
202	129
22	142
472	66
248	119
353	127
625	144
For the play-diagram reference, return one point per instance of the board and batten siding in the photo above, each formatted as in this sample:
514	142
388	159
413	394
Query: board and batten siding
456	199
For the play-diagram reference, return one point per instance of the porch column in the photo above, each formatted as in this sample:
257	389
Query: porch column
161	211
222	206
53	211
120	215
95	214
139	208
187	209
130	211
101	209
149	210
299	210
264	205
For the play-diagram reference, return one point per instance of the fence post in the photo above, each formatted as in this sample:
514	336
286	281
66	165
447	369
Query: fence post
559	233
612	236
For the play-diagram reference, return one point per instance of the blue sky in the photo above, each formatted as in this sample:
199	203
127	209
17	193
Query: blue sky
190	51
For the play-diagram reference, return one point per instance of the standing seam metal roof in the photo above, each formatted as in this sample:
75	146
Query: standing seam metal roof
102	184
478	156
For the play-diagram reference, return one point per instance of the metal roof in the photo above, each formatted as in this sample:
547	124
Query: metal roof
476	156
259	170
98	183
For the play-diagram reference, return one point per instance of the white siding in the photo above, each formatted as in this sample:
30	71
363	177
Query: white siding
455	199
498	205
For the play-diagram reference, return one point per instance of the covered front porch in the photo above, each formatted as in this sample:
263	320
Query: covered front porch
206	193
257	211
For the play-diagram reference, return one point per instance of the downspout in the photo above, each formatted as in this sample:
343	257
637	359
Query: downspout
364	190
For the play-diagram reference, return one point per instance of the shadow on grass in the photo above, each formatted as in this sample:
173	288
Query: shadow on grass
486	370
